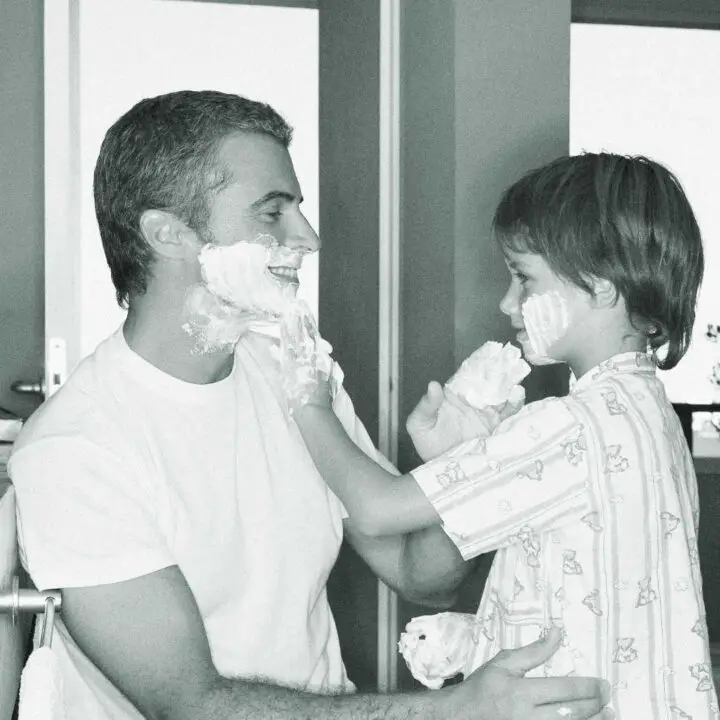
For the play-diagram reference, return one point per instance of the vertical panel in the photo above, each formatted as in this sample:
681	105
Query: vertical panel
389	301
486	96
21	199
428	203
349	261
428	219
512	112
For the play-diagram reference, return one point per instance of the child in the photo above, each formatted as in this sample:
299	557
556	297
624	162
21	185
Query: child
590	499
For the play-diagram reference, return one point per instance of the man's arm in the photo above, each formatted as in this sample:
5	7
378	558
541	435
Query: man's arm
147	636
424	567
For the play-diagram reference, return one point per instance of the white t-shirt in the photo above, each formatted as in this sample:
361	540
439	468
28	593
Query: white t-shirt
128	470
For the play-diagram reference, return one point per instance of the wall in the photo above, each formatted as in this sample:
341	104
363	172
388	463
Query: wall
484	96
348	290
21	199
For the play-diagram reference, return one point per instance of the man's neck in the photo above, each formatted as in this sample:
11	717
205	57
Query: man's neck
160	339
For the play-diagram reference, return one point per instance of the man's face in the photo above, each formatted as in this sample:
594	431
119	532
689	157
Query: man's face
257	233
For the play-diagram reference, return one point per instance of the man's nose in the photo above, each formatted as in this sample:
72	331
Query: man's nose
305	238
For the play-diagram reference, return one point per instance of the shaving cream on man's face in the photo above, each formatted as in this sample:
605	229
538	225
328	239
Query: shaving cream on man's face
243	284
259	277
546	320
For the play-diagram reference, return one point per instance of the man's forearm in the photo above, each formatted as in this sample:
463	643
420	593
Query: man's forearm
236	699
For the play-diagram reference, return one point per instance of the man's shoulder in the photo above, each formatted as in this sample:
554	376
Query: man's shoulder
84	407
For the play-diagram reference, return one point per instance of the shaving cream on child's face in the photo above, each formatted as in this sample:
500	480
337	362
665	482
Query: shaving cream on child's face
546	320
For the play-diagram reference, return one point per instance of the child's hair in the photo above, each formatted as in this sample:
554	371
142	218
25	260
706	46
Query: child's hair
617	218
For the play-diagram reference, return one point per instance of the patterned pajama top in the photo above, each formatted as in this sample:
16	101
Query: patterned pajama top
591	501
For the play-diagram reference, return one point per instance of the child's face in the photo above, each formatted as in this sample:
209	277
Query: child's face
530	275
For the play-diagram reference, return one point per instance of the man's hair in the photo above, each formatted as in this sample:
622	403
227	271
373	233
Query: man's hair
620	218
163	154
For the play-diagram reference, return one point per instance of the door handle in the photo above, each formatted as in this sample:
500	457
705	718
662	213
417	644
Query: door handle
28	387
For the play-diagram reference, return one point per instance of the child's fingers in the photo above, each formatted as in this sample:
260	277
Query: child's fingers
424	415
434	395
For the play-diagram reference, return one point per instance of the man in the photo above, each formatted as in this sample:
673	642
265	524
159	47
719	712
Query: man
166	488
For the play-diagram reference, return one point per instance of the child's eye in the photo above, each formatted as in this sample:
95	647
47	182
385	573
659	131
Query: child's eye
522	279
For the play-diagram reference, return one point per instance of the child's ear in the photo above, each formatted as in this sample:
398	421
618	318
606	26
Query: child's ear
604	292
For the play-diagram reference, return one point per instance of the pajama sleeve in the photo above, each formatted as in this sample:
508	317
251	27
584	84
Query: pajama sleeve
532	472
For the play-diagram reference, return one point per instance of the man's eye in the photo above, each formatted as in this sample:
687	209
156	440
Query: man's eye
271	215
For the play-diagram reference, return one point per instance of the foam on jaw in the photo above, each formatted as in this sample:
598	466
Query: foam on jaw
239	274
546	320
238	292
212	323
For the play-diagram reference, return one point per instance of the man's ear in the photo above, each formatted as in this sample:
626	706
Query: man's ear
166	234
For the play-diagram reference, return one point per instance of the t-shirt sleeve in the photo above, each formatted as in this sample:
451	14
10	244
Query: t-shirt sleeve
531	474
83	518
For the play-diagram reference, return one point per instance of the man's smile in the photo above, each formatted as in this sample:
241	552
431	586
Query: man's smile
285	273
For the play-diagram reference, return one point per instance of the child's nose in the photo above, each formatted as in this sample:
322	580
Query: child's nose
509	303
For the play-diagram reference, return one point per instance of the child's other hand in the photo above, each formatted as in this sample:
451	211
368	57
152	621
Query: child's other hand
512	404
442	420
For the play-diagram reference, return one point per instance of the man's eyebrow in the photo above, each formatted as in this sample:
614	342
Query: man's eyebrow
275	195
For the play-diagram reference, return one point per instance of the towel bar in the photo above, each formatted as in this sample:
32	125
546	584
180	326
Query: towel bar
17	600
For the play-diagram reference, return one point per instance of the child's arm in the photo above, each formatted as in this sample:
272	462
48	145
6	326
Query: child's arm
378	502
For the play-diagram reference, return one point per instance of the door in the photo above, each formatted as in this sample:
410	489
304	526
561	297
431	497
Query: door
101	57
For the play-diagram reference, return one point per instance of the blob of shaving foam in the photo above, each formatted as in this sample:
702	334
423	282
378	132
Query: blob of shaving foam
546	320
491	376
438	647
239	274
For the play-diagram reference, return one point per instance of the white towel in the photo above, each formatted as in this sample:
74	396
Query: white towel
12	636
41	695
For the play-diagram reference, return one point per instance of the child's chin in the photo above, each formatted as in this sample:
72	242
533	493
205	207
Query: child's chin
538	360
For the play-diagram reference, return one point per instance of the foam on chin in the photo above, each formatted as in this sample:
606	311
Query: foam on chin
239	293
239	274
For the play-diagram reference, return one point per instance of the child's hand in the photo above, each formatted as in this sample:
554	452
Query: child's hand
442	420
305	362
